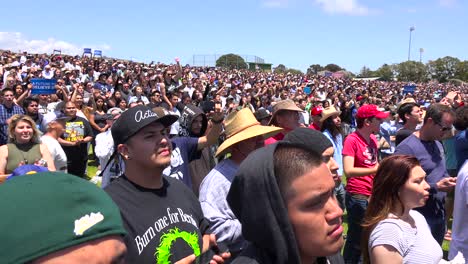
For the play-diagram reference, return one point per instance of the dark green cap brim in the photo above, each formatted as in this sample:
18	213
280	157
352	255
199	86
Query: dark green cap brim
40	213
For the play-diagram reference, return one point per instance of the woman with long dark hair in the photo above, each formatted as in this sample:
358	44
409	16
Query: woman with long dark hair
393	231
97	119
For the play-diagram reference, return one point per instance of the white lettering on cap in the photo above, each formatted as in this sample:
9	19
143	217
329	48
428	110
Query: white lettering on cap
139	115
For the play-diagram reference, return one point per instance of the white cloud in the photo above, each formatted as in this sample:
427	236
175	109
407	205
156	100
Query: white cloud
275	3
16	41
348	7
447	3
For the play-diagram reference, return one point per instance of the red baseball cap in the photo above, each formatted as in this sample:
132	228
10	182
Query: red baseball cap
316	111
370	110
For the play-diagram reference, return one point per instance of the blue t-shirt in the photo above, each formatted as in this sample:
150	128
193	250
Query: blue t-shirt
338	149
184	150
430	155
450	155
461	148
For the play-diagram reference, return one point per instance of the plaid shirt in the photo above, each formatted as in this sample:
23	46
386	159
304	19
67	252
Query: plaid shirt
5	114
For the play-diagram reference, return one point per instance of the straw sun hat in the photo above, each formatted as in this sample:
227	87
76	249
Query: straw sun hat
242	125
329	111
287	104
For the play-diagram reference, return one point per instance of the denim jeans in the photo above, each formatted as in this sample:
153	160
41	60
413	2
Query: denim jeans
356	209
438	228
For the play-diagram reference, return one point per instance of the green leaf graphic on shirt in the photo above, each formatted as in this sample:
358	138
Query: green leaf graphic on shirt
163	251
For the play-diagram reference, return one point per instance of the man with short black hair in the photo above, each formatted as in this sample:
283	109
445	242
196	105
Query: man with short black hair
360	163
426	147
31	108
163	218
7	109
411	115
155	99
296	218
75	140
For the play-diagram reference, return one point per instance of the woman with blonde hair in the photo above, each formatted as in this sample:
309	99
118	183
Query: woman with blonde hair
393	231
24	146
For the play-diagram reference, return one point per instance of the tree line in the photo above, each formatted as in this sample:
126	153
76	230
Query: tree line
443	69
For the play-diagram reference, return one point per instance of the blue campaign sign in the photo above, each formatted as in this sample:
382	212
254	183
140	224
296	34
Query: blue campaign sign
97	52
307	90
409	89
87	51
43	86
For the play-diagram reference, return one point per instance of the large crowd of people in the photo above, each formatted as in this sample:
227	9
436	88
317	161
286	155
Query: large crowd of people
215	165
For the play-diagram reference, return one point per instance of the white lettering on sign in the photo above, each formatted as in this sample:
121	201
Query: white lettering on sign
140	115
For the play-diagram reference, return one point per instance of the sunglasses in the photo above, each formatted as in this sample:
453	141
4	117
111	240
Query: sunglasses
444	128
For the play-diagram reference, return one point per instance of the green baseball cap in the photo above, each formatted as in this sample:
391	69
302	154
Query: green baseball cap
46	212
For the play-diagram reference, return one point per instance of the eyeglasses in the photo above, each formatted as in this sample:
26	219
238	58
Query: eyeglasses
443	128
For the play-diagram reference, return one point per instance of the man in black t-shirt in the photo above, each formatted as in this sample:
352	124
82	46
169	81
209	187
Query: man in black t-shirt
75	140
411	115
162	216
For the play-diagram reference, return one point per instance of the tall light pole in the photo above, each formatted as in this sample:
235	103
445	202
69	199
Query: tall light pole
411	29
421	50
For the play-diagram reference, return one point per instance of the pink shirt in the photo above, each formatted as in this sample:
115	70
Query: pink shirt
365	156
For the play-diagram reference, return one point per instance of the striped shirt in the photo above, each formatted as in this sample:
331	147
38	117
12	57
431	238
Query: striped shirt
415	244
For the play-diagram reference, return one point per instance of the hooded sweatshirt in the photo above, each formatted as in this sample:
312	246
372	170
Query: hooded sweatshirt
189	113
202	165
256	201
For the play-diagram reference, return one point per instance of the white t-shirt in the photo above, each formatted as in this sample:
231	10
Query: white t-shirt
190	90
176	125
414	244
460	215
57	153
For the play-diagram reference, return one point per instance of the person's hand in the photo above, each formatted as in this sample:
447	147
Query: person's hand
446	184
187	260
209	241
451	96
376	167
177	59
21	163
217	117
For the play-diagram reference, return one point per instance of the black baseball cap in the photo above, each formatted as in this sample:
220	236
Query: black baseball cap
136	118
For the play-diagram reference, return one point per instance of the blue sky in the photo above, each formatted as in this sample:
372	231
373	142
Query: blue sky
296	33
